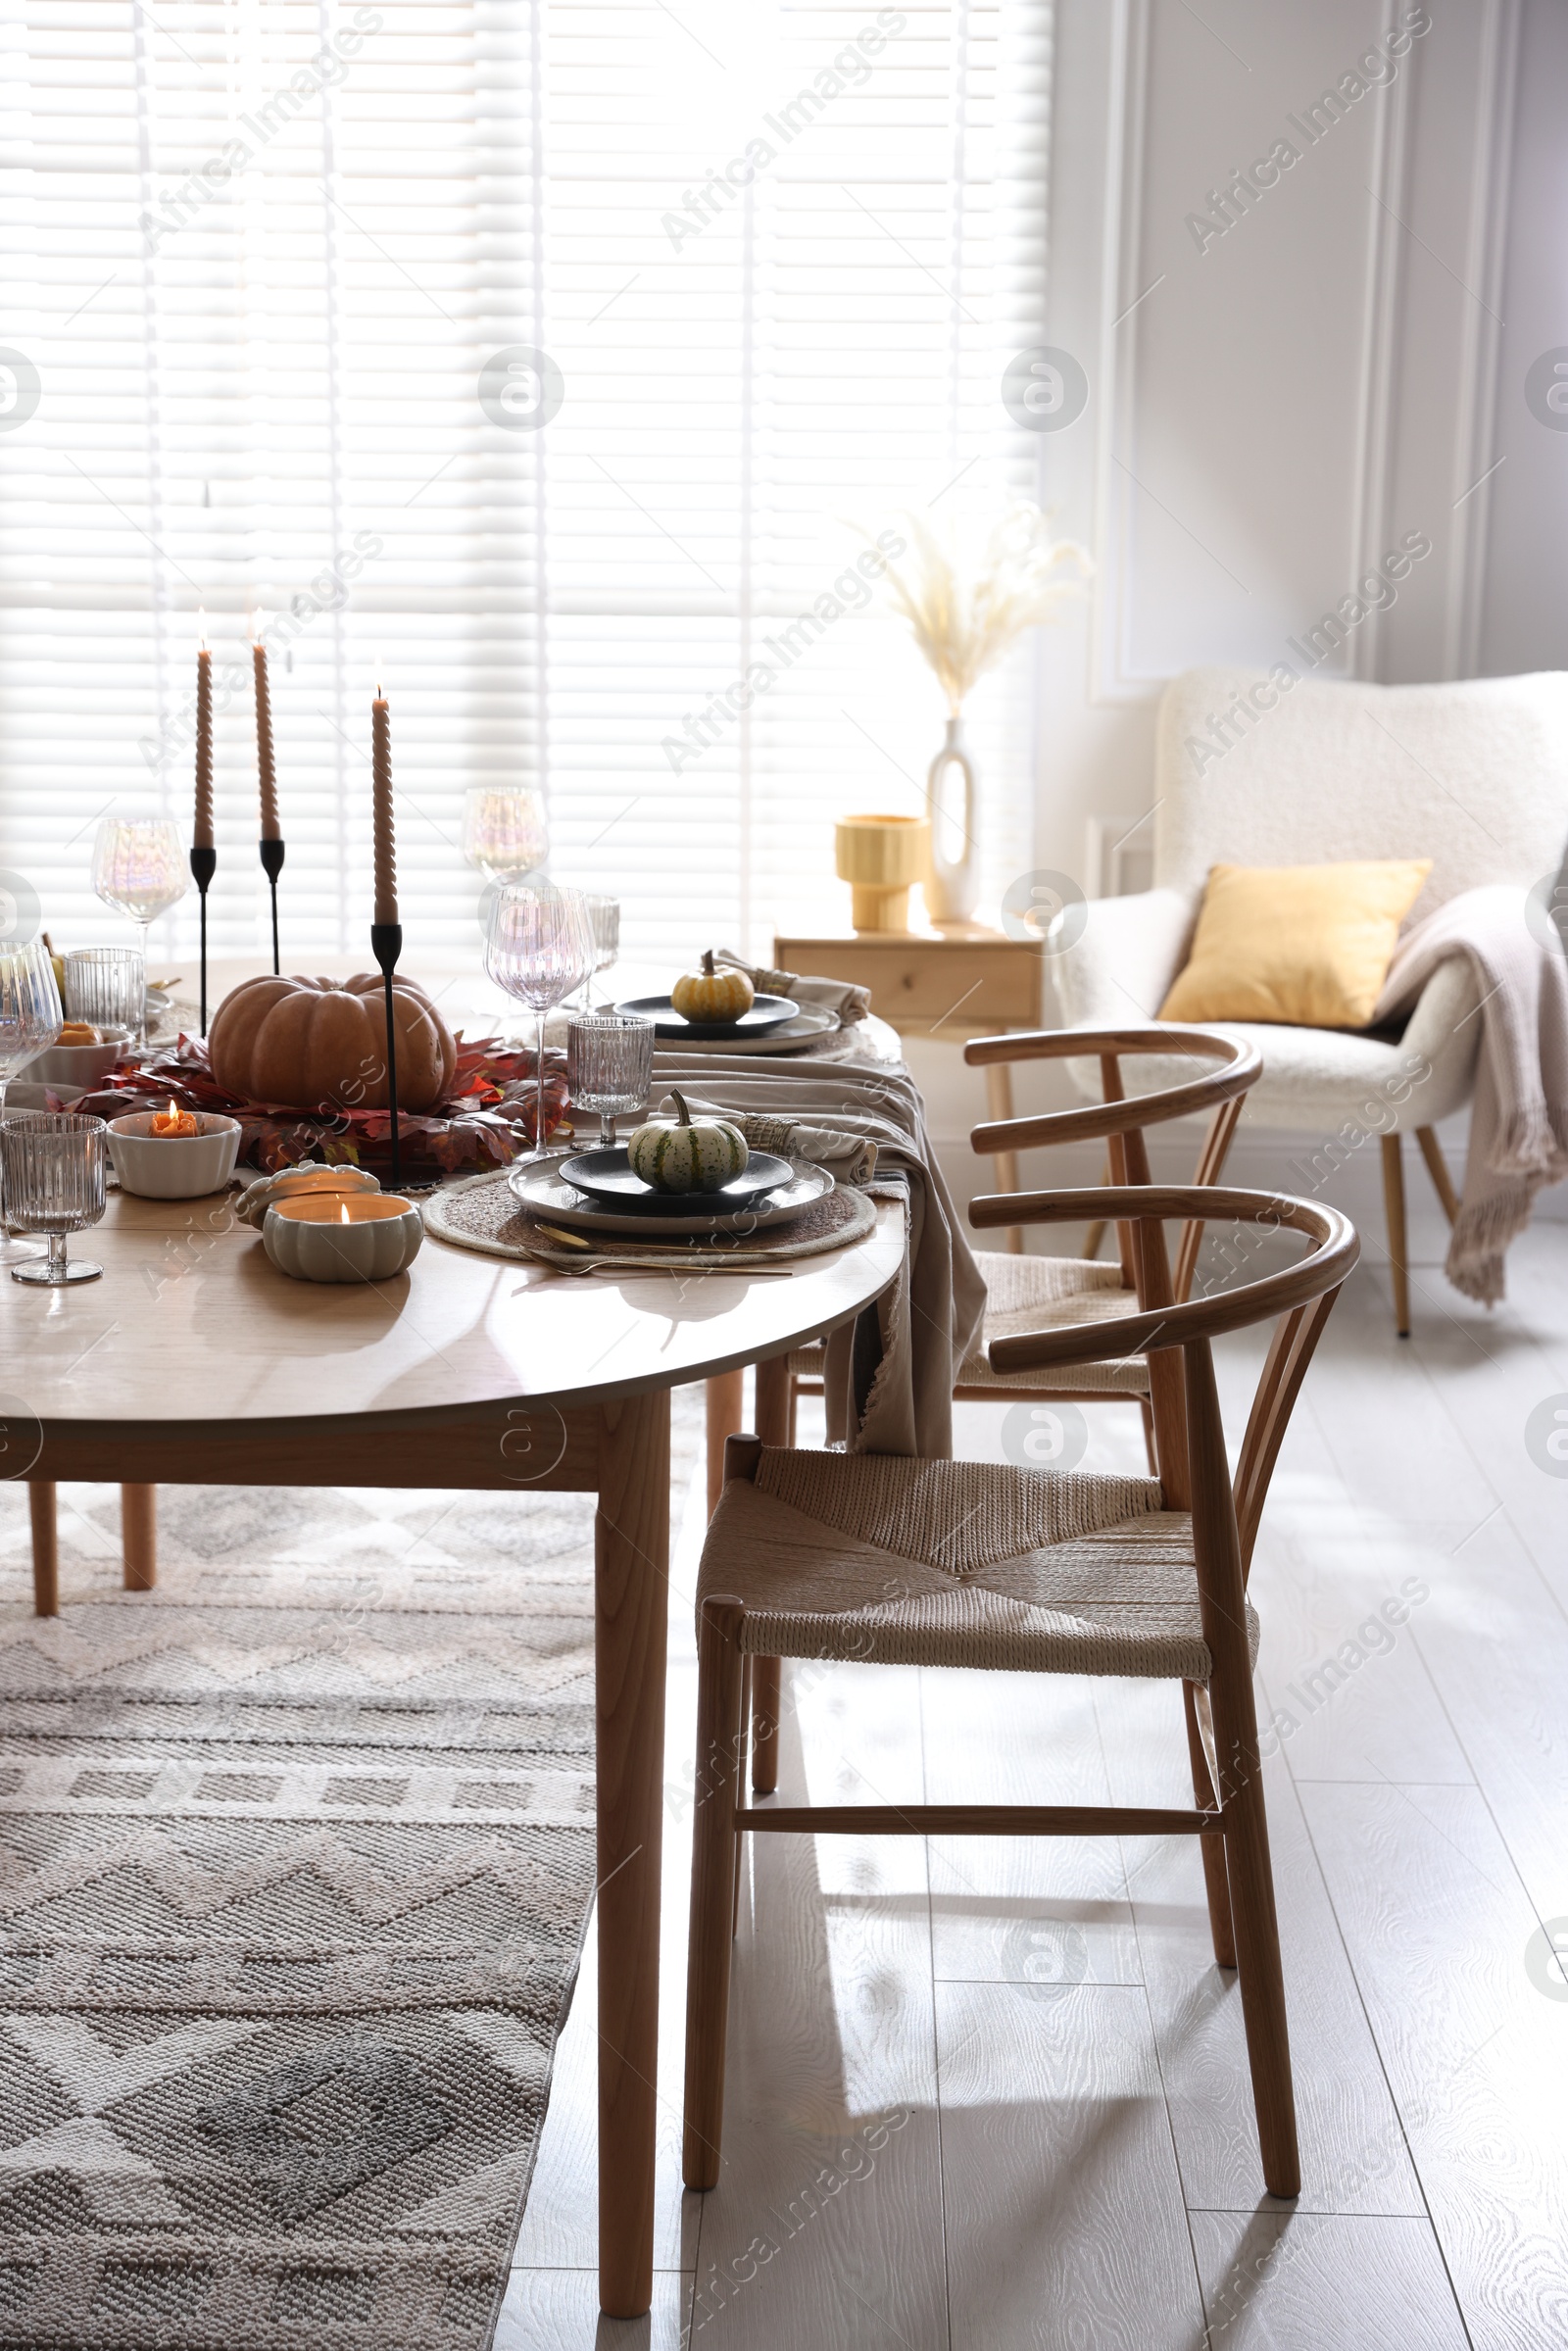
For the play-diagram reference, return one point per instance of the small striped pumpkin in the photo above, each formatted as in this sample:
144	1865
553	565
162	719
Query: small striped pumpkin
694	1154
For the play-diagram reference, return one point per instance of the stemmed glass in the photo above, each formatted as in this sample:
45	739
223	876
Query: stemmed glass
610	1065
139	867
504	830
539	947
54	1168
603	917
30	1022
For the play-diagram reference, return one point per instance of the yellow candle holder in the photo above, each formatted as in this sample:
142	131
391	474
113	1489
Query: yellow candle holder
881	858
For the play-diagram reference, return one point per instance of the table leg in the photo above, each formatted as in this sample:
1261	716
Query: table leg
138	1536
726	1417
631	1553
45	1548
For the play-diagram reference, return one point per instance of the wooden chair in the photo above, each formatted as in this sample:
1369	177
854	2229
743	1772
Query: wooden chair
1034	1292
138	1522
1045	1293
953	1564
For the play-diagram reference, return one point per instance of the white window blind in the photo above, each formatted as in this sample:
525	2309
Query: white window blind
259	253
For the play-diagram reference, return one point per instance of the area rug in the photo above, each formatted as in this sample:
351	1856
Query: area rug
295	1858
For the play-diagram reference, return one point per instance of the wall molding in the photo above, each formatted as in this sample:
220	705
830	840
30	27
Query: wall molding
1485	263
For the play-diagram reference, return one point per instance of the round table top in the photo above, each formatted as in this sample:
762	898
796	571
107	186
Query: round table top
193	1323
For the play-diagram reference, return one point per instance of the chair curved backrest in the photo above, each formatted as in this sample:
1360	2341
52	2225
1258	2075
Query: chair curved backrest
1300	1295
1239	1066
1222	1090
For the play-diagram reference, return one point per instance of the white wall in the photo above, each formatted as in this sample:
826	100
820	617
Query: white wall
1268	414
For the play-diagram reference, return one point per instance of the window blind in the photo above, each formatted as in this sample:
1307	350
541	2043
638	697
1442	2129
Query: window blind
299	279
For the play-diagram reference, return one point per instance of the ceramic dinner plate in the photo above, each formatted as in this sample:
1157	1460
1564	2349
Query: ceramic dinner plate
606	1176
541	1187
767	1012
810	1021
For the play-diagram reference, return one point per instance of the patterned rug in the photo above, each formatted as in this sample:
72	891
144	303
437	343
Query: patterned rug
295	1858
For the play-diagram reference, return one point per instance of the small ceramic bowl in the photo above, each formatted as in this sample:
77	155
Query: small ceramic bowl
72	1068
173	1166
322	1237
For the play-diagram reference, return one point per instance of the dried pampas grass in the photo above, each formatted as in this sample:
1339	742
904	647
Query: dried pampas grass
963	621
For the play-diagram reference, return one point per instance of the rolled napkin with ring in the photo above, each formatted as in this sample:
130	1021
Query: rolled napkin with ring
849	1158
843	996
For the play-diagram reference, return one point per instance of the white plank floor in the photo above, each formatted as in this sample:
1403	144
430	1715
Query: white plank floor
985	2096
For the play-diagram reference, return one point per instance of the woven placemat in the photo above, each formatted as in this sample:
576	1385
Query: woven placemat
484	1214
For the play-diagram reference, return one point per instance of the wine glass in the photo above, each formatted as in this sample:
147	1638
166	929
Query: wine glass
54	1168
604	918
504	830
140	868
610	1065
539	947
30	1022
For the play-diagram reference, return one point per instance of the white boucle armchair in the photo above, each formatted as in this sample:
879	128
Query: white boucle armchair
1472	776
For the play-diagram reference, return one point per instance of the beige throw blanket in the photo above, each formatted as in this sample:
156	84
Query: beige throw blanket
1519	1113
888	1391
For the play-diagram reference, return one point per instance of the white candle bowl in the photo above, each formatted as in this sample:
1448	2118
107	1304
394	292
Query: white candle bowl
173	1166
364	1237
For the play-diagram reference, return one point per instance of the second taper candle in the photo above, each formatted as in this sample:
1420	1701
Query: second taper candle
386	861
202	831
265	766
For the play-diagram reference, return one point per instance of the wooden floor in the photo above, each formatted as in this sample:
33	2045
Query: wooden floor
984	2096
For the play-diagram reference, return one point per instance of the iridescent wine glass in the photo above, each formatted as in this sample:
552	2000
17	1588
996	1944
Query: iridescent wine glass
603	917
504	830
539	947
30	1022
140	868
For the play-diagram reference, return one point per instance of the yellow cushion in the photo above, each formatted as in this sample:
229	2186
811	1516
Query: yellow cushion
1309	945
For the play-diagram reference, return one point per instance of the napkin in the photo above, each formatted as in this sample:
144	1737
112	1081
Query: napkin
849	1158
843	996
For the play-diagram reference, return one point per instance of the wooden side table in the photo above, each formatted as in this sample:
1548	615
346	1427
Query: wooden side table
959	982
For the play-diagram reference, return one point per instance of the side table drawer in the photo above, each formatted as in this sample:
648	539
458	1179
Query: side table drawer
968	984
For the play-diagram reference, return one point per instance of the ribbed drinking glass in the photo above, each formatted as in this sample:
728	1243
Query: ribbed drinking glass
54	1170
610	1065
30	1022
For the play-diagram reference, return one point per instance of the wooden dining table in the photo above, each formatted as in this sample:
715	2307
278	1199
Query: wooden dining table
193	1361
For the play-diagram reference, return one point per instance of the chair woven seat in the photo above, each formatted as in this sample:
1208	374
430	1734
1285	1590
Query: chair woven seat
957	1563
1039	1294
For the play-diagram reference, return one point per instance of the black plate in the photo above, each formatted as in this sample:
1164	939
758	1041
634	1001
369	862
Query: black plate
767	1012
607	1176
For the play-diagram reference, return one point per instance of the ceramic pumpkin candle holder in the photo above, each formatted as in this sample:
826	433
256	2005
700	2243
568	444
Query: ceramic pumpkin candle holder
313	1043
710	995
692	1154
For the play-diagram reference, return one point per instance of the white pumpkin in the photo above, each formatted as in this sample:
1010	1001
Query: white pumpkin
688	1154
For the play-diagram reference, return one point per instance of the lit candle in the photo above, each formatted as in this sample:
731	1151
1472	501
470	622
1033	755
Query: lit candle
270	828
386	863
174	1121
201	836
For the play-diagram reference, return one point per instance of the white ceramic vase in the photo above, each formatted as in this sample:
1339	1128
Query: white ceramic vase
953	891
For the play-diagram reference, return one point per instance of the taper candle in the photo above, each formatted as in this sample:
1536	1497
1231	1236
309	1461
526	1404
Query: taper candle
202	833
386	863
264	768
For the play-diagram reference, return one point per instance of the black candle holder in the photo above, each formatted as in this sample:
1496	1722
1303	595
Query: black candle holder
386	945
272	854
202	866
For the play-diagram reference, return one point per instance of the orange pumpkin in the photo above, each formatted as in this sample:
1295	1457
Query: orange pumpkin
322	1044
